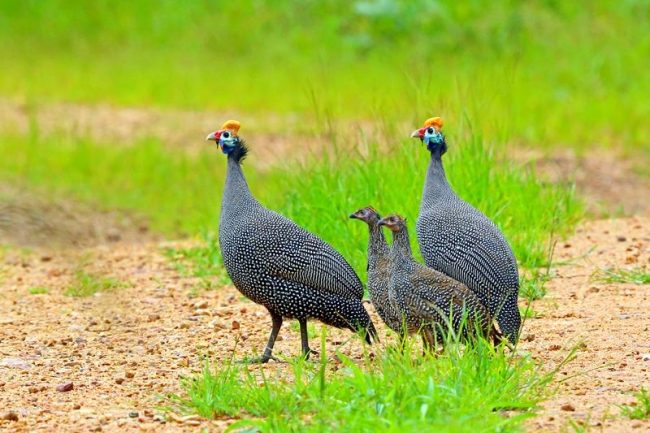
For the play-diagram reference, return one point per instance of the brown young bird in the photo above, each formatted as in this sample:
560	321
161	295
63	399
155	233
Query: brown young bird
429	301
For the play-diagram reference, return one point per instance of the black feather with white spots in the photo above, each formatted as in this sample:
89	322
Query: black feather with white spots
280	265
458	240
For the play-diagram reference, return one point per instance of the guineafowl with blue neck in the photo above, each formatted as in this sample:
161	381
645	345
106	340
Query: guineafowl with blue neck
457	239
276	263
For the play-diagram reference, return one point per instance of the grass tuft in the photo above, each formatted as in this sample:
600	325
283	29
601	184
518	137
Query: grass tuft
478	388
619	275
87	284
38	290
641	408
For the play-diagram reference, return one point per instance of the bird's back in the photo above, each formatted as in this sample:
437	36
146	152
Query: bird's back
259	243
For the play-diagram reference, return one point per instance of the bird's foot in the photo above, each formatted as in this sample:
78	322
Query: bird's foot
307	352
259	360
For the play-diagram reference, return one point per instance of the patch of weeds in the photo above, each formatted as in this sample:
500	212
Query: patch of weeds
576	427
618	275
640	409
533	287
478	388
38	290
87	284
202	262
529	313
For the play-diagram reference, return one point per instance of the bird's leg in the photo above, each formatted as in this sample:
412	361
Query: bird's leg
268	350
428	341
304	338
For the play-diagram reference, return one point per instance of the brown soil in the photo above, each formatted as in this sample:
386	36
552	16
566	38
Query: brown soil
609	181
32	220
608	323
124	349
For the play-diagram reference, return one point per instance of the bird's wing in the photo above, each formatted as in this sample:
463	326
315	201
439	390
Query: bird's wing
307	259
465	249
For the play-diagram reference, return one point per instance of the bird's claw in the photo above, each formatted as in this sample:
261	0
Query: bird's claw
261	360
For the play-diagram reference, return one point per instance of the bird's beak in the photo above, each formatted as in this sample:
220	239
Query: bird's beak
215	136
353	216
418	133
381	223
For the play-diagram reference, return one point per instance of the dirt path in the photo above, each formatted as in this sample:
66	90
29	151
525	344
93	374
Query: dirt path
609	323
124	349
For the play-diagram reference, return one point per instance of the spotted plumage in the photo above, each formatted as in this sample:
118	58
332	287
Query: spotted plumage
429	301
280	265
458	240
379	269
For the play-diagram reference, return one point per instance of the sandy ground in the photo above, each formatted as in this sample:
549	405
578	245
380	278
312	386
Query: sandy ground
123	350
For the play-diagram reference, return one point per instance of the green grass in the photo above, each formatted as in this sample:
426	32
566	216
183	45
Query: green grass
545	73
203	262
38	290
180	193
641	408
619	275
475	389
87	284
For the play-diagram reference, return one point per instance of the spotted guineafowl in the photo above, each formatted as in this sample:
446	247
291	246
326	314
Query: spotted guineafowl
277	264
458	240
429	301
379	269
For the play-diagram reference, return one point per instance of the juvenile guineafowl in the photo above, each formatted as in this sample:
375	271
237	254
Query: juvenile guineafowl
277	264
458	240
429	301
379	269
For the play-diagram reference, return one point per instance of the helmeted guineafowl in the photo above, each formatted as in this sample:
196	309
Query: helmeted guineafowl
429	301
277	264
379	269
458	240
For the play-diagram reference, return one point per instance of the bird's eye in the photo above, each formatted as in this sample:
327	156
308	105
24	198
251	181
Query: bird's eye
225	134
430	130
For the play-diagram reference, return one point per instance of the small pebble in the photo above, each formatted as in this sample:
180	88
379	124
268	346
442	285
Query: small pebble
119	380
235	325
10	416
645	357
554	347
65	387
198	305
133	414
129	374
568	407
621	238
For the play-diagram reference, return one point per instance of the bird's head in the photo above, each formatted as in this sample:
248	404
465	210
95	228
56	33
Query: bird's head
367	214
431	135
226	137
394	223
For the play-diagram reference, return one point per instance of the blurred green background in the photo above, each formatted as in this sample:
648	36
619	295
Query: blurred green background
540	72
507	77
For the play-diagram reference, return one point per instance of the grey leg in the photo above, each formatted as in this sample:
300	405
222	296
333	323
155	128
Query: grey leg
268	350
304	338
